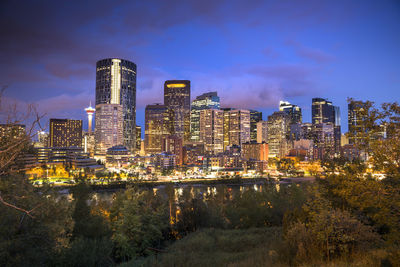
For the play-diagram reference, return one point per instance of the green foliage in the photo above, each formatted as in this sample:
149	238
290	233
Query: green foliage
327	233
31	240
139	222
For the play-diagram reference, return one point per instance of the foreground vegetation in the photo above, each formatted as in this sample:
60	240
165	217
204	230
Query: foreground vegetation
346	219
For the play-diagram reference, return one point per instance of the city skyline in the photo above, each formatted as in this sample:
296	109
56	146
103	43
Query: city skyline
252	62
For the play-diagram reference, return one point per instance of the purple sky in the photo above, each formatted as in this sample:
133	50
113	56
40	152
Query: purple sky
254	53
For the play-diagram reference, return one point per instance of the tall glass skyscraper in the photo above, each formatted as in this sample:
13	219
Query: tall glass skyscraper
323	112
157	127
205	101
293	111
177	99
255	117
116	84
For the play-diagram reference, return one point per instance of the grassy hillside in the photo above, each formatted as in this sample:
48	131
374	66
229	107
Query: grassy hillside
211	247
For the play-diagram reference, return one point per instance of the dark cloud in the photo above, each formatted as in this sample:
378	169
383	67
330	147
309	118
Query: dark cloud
48	49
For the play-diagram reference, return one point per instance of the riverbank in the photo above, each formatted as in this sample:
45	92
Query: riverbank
117	185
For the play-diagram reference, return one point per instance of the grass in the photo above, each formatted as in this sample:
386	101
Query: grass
211	247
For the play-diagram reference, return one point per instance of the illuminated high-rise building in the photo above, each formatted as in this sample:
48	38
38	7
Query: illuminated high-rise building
212	130
324	112
239	126
138	138
357	113
278	129
177	100
65	133
262	132
109	127
157	127
226	126
116	84
205	101
324	140
255	117
293	111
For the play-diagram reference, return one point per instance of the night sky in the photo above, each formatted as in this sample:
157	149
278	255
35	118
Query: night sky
254	53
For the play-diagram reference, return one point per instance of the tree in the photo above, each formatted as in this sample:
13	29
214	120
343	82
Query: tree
139	221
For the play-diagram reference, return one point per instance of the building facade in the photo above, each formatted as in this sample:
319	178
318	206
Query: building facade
212	130
255	117
323	112
255	151
109	127
278	129
293	111
116	84
239	126
157	127
205	101
262	132
65	133
177	100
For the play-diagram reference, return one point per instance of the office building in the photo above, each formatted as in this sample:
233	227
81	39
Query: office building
323	112
262	132
116	85
177	100
157	126
205	101
174	145
324	141
255	117
226	126
109	127
293	111
212	130
65	133
278	129
239	126
255	151
357	113
138	138
13	130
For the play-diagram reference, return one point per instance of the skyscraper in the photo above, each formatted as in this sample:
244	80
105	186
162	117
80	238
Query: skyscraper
262	132
323	112
138	138
109	127
255	117
177	100
293	111
357	113
116	84
157	127
226	126
205	101
278	127
212	130
239	126
65	133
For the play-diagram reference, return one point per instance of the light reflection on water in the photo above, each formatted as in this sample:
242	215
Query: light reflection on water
195	190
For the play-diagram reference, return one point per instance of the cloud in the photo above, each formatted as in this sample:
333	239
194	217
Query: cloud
313	54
